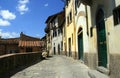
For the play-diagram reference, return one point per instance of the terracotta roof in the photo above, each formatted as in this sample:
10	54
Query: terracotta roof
24	37
9	41
31	43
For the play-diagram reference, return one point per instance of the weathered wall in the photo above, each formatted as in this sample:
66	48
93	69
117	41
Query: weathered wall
112	35
114	65
12	61
56	40
64	41
107	9
90	59
35	49
12	48
22	50
81	27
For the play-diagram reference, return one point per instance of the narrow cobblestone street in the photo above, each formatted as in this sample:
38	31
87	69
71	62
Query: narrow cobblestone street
55	67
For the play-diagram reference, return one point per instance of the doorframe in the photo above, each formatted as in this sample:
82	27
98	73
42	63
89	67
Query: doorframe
97	11
80	31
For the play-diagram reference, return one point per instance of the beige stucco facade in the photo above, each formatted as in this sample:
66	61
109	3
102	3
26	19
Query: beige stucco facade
112	37
88	20
107	9
95	20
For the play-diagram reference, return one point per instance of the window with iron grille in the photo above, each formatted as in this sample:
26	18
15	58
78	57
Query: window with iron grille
116	15
58	31
69	18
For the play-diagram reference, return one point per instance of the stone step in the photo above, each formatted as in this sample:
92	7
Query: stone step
96	74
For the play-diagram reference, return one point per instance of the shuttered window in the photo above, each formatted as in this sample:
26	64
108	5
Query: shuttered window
116	15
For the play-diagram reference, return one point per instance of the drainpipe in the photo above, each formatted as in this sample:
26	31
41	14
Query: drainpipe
87	19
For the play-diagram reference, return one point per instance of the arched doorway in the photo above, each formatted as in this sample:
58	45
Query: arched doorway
101	39
80	44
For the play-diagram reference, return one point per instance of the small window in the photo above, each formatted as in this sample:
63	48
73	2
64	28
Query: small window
64	31
70	17
72	38
29	49
49	40
55	33
116	15
68	20
58	31
78	3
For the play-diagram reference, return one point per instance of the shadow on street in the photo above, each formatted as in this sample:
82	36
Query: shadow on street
8	74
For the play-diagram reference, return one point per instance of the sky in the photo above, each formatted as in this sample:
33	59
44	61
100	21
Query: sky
27	16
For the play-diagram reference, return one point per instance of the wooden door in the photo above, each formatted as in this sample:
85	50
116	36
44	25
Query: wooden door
80	46
101	39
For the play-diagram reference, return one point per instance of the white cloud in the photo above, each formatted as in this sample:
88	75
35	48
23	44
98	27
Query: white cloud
45	5
23	1
8	34
6	14
4	22
22	6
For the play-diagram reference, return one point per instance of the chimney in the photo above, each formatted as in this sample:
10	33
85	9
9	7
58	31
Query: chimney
21	33
0	37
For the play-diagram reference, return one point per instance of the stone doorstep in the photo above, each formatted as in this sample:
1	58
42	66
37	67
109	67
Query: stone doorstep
103	70
96	74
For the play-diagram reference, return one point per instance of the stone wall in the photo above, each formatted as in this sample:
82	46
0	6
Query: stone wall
12	61
73	54
114	65
8	48
90	59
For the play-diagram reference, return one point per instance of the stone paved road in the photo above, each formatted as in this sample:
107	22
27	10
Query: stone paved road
55	67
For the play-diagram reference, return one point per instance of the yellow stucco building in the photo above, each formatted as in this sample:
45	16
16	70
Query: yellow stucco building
70	29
